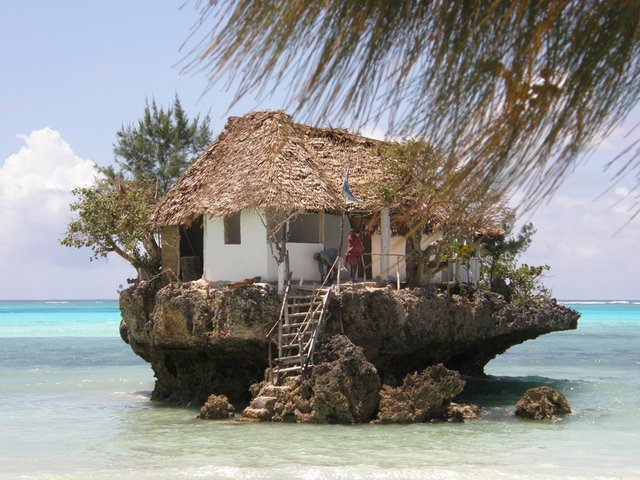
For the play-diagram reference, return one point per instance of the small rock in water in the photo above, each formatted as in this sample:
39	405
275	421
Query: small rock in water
422	396
463	412
542	403
217	407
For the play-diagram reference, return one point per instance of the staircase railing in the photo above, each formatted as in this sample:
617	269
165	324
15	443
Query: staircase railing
278	325
310	327
315	335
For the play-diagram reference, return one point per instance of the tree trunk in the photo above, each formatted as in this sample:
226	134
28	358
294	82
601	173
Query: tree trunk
413	260
419	266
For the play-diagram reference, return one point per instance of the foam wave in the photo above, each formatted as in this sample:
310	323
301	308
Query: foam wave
581	302
599	302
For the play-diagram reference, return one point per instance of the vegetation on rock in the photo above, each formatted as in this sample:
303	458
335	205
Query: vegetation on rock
112	214
160	146
420	168
501	271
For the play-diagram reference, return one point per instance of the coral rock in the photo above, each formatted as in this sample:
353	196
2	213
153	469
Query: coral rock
463	412
422	396
542	403
345	384
201	337
343	388
217	407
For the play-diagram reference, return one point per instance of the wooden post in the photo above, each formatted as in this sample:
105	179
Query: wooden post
385	243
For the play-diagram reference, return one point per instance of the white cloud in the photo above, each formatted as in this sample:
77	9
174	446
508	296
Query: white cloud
35	192
35	186
374	132
587	234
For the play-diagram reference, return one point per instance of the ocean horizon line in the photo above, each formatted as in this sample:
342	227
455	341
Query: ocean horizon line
57	300
583	301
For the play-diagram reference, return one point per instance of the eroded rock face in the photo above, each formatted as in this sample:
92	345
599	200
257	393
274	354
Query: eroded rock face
343	388
422	396
542	403
405	331
201	339
345	383
217	407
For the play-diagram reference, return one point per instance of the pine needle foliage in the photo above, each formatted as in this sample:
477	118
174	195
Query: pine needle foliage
161	145
514	90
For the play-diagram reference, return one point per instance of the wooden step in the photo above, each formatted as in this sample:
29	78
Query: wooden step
313	323
294	346
305	305
304	288
303	298
291	357
293	334
304	314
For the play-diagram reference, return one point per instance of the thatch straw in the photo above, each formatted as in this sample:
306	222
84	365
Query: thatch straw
265	160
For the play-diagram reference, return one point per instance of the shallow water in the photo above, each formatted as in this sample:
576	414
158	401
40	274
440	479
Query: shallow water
75	404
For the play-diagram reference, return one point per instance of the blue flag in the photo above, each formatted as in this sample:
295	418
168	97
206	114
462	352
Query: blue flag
349	199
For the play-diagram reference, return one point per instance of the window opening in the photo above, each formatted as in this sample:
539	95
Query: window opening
305	228
232	229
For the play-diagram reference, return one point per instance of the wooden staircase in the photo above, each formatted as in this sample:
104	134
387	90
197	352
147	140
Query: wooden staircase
297	332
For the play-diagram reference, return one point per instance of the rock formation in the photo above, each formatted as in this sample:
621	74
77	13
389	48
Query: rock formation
217	407
542	403
407	330
345	388
202	339
462	412
342	388
421	397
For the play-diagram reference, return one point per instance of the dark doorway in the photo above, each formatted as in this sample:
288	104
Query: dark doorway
191	251
367	271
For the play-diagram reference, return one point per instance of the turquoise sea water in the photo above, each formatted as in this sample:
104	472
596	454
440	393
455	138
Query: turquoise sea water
74	404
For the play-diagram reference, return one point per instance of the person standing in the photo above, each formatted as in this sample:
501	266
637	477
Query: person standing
355	250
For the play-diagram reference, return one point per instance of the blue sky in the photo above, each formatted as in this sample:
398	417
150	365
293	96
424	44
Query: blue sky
75	71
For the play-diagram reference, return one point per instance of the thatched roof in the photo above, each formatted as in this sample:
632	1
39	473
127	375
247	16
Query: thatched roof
265	160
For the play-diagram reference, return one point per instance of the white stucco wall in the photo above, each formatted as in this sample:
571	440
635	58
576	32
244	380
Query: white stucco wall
236	262
252	257
301	261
